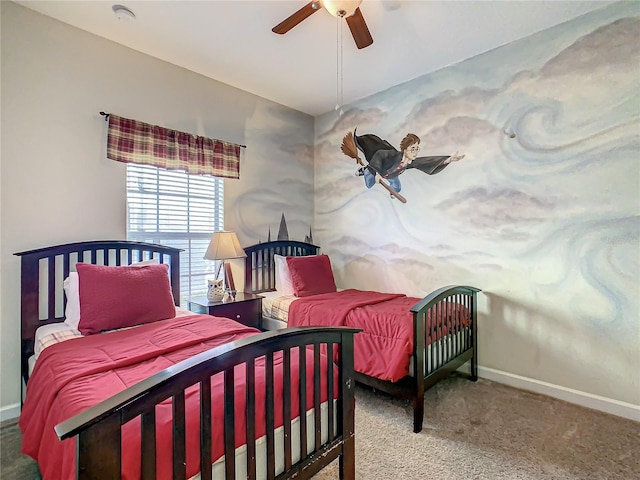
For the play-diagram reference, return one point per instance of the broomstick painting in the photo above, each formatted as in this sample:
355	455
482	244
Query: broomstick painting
385	163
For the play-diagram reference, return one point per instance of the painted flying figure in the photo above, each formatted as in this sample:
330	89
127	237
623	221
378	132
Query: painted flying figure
384	162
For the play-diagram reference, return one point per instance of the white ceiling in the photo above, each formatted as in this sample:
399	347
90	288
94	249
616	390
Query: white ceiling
231	41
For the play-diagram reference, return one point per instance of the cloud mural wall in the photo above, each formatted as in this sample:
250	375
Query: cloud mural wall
546	223
276	178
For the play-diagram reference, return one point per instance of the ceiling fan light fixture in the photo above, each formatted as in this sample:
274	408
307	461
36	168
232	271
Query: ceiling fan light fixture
349	10
341	8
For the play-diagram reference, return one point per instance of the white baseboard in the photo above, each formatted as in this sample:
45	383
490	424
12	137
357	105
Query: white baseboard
9	412
588	400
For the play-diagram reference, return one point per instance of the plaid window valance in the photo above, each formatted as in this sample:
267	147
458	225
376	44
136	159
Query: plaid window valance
130	141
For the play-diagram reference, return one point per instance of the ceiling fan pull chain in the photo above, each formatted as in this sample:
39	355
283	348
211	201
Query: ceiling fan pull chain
339	67
341	70
337	64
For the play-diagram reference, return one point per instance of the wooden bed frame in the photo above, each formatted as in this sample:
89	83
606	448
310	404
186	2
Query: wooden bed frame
98	429
436	361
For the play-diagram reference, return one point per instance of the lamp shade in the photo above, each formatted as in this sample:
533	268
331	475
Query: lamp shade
224	246
341	8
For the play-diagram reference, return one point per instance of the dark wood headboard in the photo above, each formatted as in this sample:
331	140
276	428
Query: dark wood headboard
42	272
259	269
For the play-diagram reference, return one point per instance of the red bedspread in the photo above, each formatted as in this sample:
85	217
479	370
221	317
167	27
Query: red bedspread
383	349
76	374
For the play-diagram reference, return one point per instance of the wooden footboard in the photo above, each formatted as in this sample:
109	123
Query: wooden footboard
444	338
98	429
453	339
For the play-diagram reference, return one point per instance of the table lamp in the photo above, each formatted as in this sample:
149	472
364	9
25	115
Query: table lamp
225	246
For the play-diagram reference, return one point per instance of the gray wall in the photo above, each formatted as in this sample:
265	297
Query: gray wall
57	185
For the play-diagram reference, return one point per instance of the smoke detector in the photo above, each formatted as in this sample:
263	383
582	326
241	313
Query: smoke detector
123	13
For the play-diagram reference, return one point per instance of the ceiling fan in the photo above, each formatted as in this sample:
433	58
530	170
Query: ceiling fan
347	9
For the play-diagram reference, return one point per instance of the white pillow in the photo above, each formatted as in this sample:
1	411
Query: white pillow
151	261
284	284
72	291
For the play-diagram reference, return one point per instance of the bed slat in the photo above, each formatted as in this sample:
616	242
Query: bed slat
270	420
330	348
179	438
251	419
302	362
286	408
51	296
205	430
148	436
229	424
317	412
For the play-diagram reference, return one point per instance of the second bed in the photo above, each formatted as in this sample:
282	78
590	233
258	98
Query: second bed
406	345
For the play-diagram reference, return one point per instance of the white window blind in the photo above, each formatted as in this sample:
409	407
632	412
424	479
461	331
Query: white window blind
173	208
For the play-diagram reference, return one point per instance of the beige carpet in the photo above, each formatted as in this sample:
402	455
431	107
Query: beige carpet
485	430
480	430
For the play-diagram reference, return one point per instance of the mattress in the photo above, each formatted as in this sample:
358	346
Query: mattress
275	310
276	306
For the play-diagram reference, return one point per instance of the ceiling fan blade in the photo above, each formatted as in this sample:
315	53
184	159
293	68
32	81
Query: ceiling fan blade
293	20
359	29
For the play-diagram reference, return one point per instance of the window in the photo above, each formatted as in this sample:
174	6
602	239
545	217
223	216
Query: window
173	208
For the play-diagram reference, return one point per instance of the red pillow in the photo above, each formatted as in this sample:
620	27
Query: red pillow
311	275
118	297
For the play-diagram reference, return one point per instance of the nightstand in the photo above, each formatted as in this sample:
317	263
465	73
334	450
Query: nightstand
245	309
